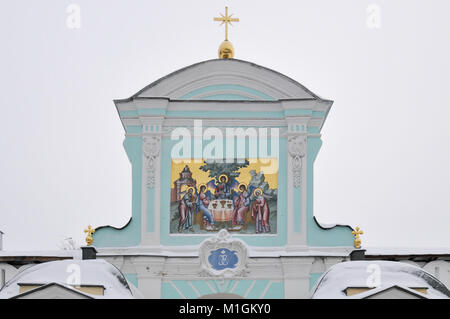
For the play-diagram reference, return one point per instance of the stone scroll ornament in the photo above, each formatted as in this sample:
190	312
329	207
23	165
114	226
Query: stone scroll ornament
151	150
223	256
297	151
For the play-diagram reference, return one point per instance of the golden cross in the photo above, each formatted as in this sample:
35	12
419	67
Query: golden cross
356	233
227	19
89	238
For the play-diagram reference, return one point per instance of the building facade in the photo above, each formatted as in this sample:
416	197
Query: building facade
248	137
222	159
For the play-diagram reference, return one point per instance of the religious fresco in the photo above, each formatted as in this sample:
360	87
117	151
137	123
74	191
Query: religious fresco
207	196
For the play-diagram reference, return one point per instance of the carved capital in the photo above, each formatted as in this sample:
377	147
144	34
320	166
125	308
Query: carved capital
151	148
297	151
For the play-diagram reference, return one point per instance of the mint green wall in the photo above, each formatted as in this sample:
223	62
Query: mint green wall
131	234
316	236
218	114
227	97
313	277
133	279
252	289
223	88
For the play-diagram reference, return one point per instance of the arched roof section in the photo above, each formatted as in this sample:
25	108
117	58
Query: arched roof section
226	79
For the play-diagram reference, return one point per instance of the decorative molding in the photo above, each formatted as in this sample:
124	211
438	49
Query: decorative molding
223	256
151	148
297	151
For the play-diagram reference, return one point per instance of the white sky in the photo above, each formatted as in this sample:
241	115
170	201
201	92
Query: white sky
384	161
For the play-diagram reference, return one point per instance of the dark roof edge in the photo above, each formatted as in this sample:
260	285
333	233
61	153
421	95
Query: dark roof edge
327	228
116	228
131	99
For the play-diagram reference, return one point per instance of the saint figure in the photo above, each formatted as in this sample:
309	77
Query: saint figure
260	212
203	202
222	190
241	206
186	209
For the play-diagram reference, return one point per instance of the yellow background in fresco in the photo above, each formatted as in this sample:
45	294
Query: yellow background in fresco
202	177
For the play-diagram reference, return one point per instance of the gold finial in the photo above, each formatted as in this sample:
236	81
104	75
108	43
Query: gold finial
356	233
226	50
89	238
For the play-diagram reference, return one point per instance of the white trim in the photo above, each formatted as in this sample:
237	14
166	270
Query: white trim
234	286
249	288
178	290
227	106
214	290
266	289
195	289
253	252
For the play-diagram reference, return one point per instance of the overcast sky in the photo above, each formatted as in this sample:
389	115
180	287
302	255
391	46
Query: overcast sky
384	163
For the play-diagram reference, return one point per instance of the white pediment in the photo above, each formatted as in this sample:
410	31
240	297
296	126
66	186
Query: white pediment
228	79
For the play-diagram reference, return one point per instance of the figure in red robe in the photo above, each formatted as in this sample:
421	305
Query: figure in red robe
260	213
241	206
222	190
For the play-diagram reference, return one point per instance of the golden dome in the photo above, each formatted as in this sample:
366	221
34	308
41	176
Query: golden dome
226	50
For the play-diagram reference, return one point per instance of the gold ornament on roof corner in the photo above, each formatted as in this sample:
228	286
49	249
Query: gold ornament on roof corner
226	49
89	238
356	233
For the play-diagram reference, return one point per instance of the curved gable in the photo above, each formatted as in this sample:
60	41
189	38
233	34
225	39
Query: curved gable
226	79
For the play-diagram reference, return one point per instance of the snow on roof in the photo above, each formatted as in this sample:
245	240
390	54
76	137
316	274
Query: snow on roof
94	272
53	284
356	274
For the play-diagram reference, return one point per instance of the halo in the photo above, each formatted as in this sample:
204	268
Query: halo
190	187
186	189
224	175
242	184
257	189
200	187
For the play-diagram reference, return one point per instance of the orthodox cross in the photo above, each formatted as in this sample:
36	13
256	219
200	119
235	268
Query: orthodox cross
226	19
89	238
356	233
